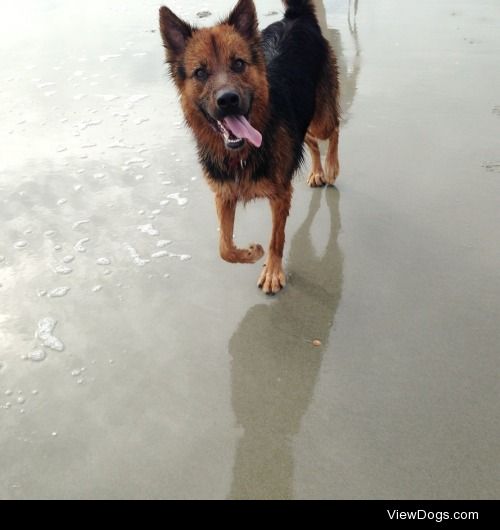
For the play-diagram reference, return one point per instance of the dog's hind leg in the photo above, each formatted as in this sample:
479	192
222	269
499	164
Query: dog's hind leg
325	123
332	158
317	175
226	210
272	278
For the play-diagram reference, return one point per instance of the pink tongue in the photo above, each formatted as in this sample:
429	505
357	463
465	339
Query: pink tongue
241	128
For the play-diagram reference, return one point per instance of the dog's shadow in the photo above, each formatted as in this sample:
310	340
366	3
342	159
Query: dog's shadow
275	366
349	64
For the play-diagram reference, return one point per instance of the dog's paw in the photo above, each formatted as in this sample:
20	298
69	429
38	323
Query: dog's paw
331	173
316	179
242	255
254	252
272	278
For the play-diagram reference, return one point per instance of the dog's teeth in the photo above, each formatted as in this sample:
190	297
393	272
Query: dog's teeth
222	128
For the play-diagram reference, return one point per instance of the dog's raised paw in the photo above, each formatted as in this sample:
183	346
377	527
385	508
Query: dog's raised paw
254	252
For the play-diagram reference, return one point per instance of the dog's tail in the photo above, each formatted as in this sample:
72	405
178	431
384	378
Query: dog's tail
298	8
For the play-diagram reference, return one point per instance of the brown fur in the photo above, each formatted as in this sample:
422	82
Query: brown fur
217	45
214	49
325	126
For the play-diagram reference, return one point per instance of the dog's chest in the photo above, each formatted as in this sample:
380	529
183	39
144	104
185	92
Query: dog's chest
243	187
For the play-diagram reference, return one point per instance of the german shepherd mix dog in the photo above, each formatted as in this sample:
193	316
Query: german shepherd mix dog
252	99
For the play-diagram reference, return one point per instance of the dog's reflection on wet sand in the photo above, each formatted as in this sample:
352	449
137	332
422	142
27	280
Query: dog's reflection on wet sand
275	365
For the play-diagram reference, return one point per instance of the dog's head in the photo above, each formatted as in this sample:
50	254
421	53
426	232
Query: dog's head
220	74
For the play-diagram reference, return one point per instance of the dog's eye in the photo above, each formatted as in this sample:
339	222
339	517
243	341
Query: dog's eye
238	66
201	74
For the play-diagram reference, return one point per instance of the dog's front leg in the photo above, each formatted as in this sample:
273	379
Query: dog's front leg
272	278
226	209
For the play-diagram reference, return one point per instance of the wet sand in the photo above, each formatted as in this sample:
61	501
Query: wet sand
135	363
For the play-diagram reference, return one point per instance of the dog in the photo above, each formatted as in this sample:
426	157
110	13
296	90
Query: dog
252	99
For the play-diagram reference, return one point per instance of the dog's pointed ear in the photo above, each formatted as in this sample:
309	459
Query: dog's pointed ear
244	18
174	32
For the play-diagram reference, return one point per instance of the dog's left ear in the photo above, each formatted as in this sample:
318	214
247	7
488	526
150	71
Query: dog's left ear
244	18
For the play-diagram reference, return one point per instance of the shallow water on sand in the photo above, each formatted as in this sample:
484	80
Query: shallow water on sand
136	363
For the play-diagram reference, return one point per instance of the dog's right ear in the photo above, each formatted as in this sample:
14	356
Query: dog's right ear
244	18
174	32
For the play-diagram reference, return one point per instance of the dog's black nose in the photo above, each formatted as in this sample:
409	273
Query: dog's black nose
227	100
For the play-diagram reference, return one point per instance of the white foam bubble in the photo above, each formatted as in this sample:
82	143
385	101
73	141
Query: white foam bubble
108	97
160	254
104	58
137	97
20	244
80	223
135	255
148	229
63	269
181	201
59	292
79	245
135	160
163	243
45	85
37	355
103	261
45	334
88	123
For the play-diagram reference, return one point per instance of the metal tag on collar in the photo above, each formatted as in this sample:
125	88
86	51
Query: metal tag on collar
243	164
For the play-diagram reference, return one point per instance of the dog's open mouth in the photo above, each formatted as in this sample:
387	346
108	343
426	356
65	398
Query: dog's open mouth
235	130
